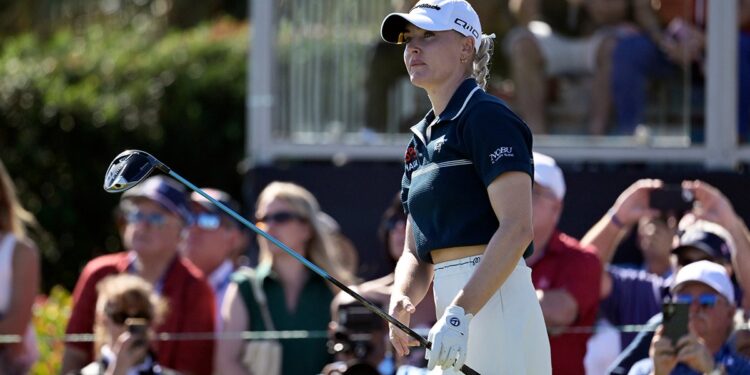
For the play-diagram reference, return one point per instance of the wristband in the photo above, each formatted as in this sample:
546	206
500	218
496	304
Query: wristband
615	220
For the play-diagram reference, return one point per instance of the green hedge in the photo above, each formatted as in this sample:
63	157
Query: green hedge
70	103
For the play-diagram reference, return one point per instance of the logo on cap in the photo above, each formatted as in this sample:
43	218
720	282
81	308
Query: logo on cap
465	25
428	6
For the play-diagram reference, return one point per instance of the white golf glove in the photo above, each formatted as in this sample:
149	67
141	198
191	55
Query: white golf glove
450	339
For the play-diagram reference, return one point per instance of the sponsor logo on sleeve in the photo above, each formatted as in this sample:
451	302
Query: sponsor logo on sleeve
501	152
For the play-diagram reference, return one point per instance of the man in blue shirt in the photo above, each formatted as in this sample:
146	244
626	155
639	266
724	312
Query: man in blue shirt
706	287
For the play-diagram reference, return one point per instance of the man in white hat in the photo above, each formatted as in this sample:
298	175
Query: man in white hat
565	275
706	287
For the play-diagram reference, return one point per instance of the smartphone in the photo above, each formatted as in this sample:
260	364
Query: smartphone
671	199
137	327
675	320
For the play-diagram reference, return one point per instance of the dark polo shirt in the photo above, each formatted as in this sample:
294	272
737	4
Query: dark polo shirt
451	160
313	313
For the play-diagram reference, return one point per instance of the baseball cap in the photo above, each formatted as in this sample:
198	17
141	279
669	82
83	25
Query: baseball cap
435	15
708	237
549	175
164	191
709	273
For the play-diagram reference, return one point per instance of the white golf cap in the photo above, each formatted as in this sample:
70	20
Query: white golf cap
712	274
434	15
549	175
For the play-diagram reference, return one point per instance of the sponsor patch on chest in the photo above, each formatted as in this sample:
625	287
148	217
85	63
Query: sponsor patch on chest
439	143
501	152
410	159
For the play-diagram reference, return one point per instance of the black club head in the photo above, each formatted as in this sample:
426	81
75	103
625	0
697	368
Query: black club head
128	169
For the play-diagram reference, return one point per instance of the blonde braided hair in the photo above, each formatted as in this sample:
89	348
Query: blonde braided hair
482	60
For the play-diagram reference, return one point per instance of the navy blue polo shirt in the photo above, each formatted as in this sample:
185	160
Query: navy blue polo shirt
449	163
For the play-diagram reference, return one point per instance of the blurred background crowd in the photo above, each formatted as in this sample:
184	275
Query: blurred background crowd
617	91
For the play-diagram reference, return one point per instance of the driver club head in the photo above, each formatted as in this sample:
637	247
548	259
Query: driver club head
128	169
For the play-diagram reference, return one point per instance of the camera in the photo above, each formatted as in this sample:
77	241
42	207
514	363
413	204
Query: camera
355	331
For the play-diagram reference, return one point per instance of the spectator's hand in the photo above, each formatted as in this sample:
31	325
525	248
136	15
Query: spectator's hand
633	203
711	204
683	43
401	308
450	339
693	353
127	354
662	353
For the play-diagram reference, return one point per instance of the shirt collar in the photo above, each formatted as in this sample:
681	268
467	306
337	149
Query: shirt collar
555	244
455	107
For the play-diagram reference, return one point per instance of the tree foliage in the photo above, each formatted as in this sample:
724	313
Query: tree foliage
72	101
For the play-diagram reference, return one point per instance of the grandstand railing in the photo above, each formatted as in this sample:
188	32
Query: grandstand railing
306	93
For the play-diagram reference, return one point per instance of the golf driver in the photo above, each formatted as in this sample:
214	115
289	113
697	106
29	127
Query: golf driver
131	167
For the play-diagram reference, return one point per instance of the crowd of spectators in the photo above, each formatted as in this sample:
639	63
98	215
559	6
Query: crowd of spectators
182	254
598	67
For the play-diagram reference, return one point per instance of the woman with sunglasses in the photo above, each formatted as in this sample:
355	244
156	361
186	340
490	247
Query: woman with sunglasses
126	312
19	279
467	191
296	298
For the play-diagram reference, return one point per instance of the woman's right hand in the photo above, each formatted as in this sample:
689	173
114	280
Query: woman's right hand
401	308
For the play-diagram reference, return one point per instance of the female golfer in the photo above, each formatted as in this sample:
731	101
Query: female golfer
467	192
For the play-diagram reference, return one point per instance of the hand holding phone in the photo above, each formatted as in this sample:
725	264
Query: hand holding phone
671	199
675	320
137	327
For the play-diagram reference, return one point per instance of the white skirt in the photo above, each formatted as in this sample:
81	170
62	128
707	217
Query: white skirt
508	335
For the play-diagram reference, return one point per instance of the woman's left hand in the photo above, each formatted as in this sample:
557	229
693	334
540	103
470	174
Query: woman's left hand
450	339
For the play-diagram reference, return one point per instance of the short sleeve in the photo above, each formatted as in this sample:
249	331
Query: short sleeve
496	141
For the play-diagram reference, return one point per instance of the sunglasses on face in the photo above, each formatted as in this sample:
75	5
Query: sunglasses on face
155	219
280	217
706	300
207	221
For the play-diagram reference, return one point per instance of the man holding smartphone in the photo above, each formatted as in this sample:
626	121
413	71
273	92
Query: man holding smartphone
706	289
633	296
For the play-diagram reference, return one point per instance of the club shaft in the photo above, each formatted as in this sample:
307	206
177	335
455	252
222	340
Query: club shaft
312	266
